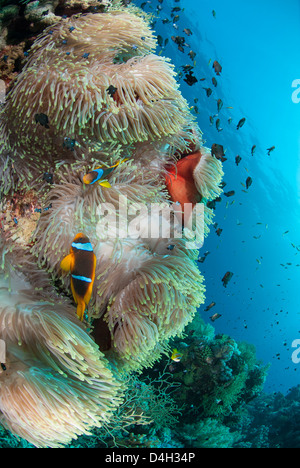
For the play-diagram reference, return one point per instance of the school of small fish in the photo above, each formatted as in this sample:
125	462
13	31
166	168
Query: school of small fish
188	73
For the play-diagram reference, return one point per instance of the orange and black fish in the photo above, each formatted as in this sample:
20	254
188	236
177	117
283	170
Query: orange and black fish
100	174
81	262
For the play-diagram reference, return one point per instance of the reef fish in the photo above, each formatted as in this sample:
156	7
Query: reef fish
190	79
100	174
248	182
219	104
241	123
270	150
238	160
214	317
217	67
42	119
176	355
210	306
218	152
226	278
81	262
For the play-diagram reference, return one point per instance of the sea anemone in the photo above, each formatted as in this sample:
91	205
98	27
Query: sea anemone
92	80
56	384
145	291
91	94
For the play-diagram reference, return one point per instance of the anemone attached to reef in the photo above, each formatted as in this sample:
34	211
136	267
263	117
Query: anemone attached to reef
94	80
55	384
94	97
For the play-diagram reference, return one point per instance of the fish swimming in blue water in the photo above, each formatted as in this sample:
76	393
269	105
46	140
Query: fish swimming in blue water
81	262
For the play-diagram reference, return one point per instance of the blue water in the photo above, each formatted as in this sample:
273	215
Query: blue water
257	43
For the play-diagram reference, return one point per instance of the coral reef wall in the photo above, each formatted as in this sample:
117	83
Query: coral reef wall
92	96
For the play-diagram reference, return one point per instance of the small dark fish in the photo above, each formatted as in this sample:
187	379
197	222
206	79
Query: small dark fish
270	150
42	119
238	160
176	18
3	366
208	91
248	182
192	55
218	152
48	177
175	10
219	104
201	259
217	67
190	79
210	306
187	31
229	194
214	13
187	68
171	247
214	317
218	123
253	149
69	143
180	48
219	231
241	123
160	40
179	40
211	119
214	82
212	204
111	90
226	278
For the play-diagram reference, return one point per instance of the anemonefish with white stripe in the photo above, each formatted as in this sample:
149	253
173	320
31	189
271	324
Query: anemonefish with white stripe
100	174
81	262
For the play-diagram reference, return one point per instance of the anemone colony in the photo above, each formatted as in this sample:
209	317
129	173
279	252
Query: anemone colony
91	94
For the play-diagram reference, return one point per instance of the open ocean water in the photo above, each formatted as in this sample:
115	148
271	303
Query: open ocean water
257	44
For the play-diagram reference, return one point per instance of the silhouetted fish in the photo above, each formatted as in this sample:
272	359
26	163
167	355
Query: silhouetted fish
238	160
248	182
270	150
241	123
218	152
226	278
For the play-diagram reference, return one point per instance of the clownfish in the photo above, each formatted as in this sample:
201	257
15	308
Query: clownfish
81	262
100	174
181	184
